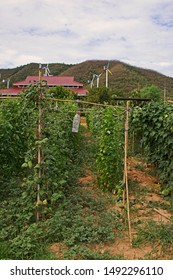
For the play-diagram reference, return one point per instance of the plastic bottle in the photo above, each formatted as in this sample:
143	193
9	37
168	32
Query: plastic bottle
76	122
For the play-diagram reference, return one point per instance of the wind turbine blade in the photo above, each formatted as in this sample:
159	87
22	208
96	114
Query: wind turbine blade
110	72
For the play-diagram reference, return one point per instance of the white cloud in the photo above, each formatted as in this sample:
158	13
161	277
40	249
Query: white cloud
57	31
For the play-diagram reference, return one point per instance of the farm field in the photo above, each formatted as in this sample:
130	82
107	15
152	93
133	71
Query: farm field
150	216
62	192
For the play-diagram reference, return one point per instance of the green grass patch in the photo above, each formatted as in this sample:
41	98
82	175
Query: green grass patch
153	232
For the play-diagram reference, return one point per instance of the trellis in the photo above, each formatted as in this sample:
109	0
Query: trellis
39	135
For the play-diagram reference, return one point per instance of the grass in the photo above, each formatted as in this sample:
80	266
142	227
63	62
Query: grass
159	236
88	254
140	167
158	204
153	232
138	190
4	251
42	254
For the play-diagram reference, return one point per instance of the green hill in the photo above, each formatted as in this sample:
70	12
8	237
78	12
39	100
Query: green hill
123	80
20	73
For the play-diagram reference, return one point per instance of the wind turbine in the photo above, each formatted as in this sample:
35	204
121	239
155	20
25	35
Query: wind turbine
46	70
7	81
106	68
92	81
98	78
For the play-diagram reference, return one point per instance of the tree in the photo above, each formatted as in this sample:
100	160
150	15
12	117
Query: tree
152	92
99	95
62	93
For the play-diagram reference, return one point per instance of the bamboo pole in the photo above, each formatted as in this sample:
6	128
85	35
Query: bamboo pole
169	101
83	102
133	142
10	97
126	191
39	146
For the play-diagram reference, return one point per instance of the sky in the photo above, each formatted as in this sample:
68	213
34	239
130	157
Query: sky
136	32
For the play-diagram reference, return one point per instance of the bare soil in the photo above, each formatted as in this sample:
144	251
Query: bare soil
140	211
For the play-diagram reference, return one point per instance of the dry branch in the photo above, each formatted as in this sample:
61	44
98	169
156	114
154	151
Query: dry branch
162	214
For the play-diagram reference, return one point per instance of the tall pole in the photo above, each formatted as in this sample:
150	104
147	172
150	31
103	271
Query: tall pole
97	81
125	171
39	146
92	81
164	92
106	78
8	83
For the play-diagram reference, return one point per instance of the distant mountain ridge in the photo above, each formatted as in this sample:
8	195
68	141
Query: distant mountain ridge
123	80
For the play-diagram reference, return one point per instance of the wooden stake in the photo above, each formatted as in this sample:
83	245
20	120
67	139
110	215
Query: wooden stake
39	146
133	142
126	191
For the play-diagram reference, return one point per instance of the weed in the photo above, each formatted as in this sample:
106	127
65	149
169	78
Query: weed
75	225
152	232
4	251
158	204
88	254
140	167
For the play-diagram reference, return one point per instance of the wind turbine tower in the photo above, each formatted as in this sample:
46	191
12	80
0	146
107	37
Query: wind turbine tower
106	68
7	81
98	78
92	81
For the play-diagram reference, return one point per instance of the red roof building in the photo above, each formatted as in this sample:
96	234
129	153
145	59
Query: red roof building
52	81
10	91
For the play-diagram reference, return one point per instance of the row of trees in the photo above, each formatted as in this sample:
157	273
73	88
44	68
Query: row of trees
101	95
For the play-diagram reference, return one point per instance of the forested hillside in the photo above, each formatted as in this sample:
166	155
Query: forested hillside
124	79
